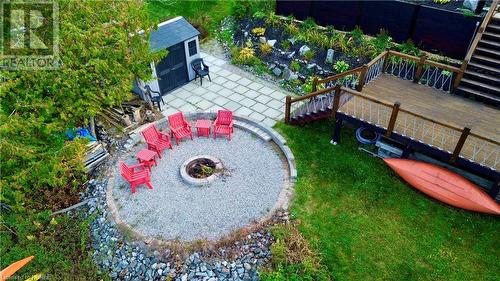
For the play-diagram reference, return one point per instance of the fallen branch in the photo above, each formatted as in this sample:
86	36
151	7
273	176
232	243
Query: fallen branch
72	207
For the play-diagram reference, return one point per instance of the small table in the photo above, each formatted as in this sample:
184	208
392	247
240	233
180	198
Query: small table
203	127
147	157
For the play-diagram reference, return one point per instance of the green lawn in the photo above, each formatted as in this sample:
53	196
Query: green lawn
368	225
204	15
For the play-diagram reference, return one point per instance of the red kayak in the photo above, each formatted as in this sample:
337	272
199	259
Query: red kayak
444	185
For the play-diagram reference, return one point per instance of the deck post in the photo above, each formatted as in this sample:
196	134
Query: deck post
336	130
315	84
420	68
288	104
495	189
460	144
392	121
362	76
386	59
336	100
460	74
406	152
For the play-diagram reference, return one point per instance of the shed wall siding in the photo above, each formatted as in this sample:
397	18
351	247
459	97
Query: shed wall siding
191	73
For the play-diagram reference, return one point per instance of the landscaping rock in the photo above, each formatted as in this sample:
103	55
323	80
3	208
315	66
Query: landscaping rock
311	65
290	56
124	260
289	75
271	42
304	49
262	39
329	56
292	40
277	71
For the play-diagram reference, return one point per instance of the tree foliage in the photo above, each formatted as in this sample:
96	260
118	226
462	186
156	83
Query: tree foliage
102	49
100	53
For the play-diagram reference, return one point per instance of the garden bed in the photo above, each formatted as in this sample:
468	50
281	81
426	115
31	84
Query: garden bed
289	56
287	49
297	52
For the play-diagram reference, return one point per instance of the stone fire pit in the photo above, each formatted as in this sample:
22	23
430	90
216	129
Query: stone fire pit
201	169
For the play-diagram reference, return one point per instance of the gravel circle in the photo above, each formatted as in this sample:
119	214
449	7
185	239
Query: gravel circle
176	210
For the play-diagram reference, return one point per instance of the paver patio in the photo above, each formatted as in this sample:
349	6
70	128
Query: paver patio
231	88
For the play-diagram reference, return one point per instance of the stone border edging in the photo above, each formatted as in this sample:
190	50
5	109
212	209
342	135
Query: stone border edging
281	203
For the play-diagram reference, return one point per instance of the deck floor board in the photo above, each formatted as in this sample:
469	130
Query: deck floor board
438	105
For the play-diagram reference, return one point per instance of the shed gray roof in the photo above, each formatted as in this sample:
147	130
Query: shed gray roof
170	33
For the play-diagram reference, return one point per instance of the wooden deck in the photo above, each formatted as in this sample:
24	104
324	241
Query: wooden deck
452	110
437	105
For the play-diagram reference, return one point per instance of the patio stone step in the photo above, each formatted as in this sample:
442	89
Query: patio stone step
254	130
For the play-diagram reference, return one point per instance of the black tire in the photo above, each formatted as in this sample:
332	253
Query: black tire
366	136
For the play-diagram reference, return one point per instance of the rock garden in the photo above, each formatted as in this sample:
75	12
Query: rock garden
296	52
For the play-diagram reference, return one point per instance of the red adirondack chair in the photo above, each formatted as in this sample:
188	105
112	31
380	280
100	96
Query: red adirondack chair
156	140
136	175
179	127
223	125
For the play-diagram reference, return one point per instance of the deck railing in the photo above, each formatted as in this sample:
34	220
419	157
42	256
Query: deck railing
459	142
350	79
375	67
422	70
417	69
342	94
366	109
355	78
317	101
402	65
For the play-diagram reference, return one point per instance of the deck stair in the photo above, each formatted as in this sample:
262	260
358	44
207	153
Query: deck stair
481	79
305	117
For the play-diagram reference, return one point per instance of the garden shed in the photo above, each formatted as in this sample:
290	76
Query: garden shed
180	38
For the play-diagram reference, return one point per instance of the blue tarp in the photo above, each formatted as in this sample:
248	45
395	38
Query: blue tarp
80	133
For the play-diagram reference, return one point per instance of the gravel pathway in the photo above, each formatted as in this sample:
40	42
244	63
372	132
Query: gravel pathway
175	210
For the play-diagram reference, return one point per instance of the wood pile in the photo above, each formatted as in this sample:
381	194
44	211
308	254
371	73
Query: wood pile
112	126
95	155
127	116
